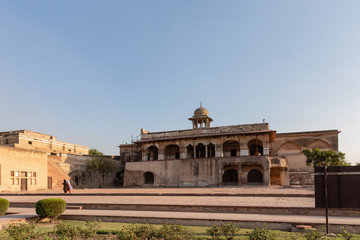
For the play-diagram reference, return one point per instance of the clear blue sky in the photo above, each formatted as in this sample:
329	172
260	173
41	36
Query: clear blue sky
95	72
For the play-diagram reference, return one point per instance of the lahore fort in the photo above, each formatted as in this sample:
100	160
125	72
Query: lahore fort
203	156
216	156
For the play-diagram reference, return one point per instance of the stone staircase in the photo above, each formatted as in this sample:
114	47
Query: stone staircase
55	170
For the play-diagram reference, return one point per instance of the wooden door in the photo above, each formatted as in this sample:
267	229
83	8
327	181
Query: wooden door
49	182
23	186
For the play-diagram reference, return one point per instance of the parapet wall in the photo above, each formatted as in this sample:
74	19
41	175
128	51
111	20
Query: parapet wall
236	129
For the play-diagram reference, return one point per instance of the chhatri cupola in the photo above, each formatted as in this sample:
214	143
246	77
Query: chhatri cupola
201	118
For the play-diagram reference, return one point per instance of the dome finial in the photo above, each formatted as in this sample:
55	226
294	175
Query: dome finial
200	103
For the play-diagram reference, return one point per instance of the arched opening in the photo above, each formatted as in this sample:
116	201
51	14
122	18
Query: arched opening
318	143
231	148
255	147
152	153
172	152
211	150
149	178
230	177
190	151
255	176
293	153
200	150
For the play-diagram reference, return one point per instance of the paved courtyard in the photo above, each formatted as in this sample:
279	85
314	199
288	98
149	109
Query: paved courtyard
247	197
178	200
208	191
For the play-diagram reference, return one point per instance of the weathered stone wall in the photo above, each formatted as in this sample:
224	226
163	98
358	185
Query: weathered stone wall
194	172
301	178
226	142
75	167
290	145
56	173
19	165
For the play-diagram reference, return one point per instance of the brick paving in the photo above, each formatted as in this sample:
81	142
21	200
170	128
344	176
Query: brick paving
178	200
196	191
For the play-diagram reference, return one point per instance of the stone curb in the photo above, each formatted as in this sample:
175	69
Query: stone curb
164	194
310	211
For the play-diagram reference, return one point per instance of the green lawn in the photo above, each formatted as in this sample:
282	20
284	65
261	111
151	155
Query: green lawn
199	231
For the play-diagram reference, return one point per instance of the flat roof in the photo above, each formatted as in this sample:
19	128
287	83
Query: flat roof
204	135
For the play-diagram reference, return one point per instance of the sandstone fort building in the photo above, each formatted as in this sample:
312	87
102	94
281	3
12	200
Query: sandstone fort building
250	154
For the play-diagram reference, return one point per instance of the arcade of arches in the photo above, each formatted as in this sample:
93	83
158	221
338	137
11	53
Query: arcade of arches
229	148
232	175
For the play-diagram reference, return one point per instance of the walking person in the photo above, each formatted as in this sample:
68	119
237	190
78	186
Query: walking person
65	186
69	186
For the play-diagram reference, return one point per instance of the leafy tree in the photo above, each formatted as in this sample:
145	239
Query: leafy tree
328	158
94	151
102	166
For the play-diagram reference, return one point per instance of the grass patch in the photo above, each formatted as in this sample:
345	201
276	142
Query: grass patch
199	232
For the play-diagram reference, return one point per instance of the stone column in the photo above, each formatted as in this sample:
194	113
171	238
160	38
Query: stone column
144	156
266	149
266	176
219	150
239	175
244	149
183	150
206	151
161	152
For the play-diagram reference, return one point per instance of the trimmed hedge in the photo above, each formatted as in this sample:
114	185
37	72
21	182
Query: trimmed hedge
50	207
4	205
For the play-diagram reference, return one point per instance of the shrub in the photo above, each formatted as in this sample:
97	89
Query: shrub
4	205
69	231
50	207
20	231
65	231
346	233
146	231
261	234
126	235
214	232
312	234
229	230
173	232
90	229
